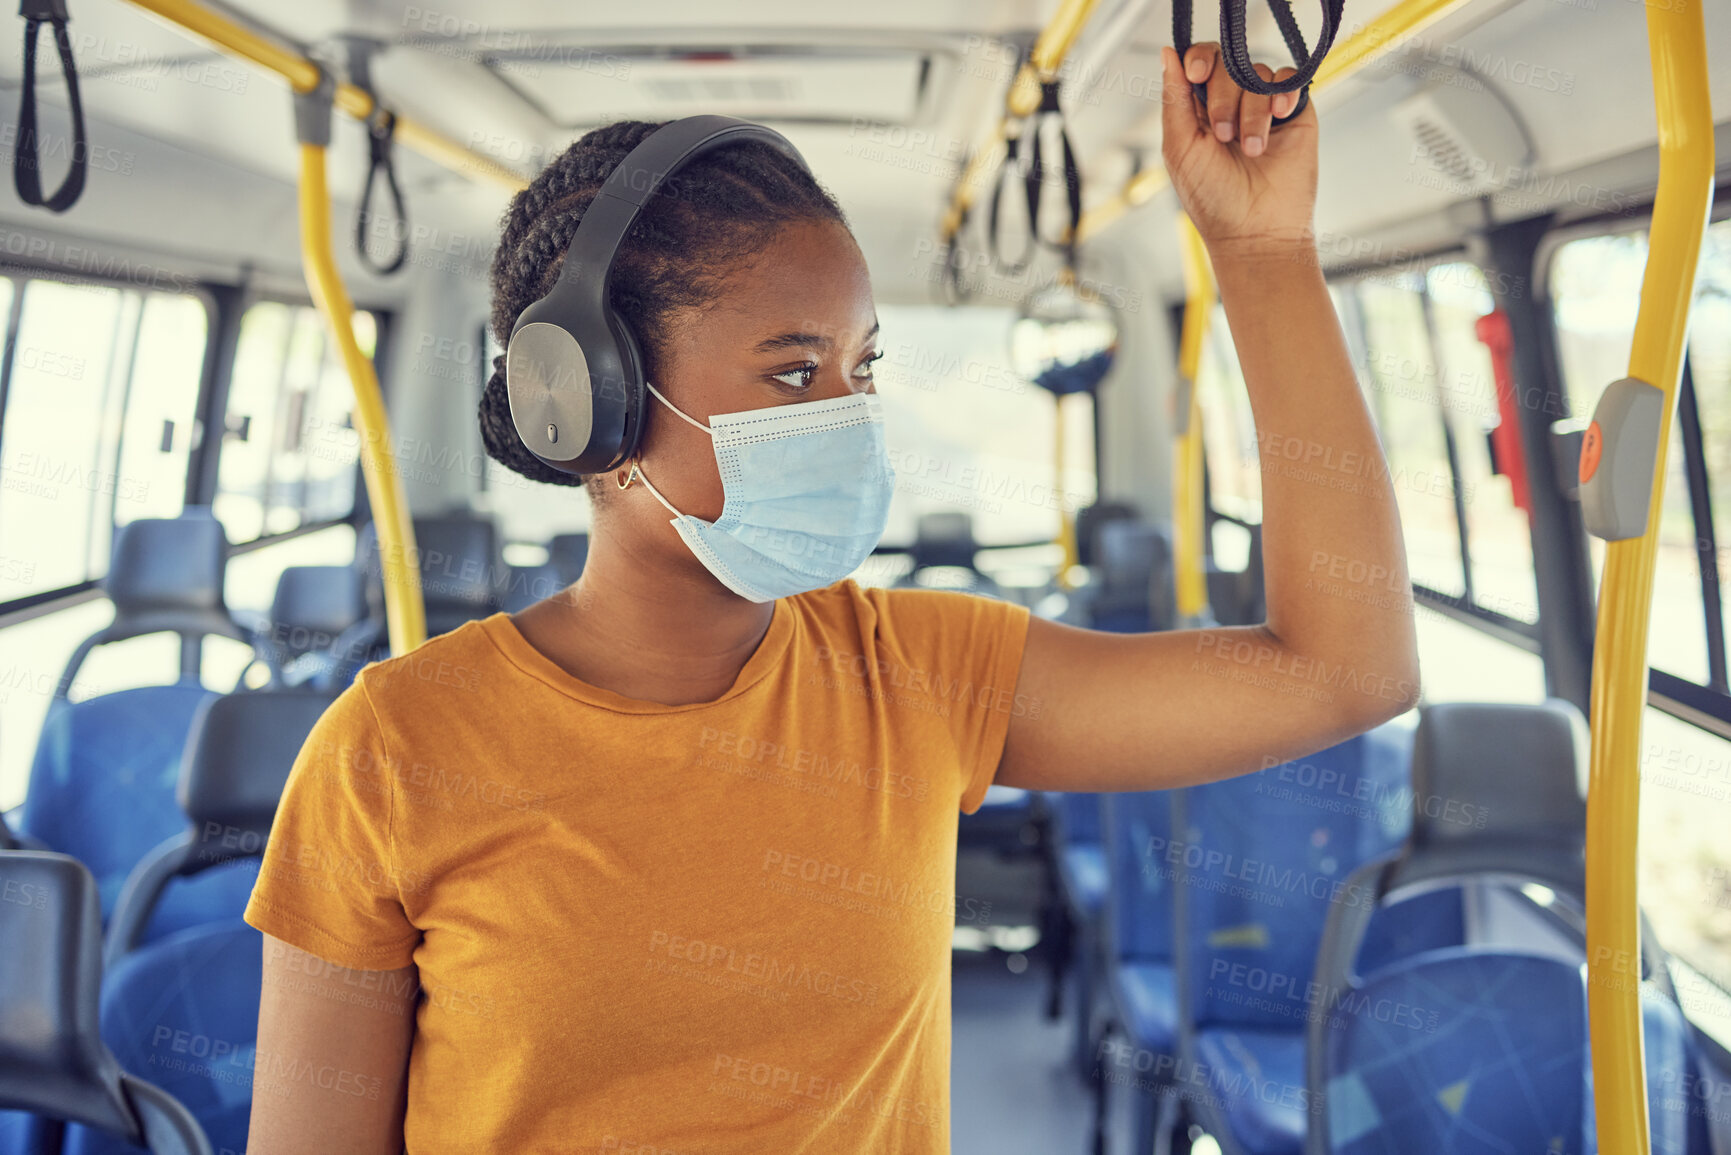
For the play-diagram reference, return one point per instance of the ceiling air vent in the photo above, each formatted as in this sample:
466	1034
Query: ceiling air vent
580	86
1465	139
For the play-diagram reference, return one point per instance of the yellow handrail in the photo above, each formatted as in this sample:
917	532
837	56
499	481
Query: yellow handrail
1677	41
1345	58
405	616
1024	97
1188	517
302	75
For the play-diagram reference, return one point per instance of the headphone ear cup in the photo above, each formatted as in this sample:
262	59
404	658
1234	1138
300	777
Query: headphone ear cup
636	396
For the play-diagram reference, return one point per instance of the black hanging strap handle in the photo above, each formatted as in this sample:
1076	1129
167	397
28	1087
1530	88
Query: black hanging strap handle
27	159
381	128
1034	180
1072	175
1235	53
1012	161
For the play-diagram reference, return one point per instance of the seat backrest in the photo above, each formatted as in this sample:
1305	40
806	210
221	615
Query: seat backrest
944	538
1132	589
1450	1050
463	574
313	605
238	757
164	575
1497	796
1089	520
1136	829
1261	858
185	1009
103	779
1076	816
52	1058
1499	788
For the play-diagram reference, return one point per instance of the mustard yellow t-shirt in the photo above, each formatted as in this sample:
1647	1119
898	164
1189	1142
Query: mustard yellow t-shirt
709	928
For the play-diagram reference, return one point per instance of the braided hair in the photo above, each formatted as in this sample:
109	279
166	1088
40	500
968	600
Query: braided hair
718	210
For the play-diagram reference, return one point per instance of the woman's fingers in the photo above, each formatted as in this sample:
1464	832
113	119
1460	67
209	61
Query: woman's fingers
1223	93
1285	102
1202	67
1230	113
1180	125
1255	115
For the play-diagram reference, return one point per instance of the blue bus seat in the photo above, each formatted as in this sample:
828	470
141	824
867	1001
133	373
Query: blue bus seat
1137	932
1260	859
102	781
1076	883
1492	1057
1131	584
165	575
184	1013
463	578
237	761
1124	556
54	1064
313	606
943	553
1496	797
184	1009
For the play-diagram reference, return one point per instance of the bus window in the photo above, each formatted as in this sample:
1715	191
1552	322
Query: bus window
98	430
1710	366
1499	541
966	432
1595	288
158	437
1400	376
1228	433
289	451
59	402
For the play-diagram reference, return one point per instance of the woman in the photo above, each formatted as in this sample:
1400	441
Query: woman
674	867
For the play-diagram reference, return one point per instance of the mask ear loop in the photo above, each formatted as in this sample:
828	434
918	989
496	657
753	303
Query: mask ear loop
687	419
637	473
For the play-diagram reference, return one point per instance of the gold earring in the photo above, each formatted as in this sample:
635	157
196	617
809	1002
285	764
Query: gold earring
629	477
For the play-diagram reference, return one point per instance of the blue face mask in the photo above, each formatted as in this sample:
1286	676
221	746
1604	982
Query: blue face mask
806	491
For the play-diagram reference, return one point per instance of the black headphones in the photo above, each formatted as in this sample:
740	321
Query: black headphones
573	369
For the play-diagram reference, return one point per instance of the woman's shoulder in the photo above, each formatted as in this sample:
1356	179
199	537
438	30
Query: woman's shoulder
427	681
905	615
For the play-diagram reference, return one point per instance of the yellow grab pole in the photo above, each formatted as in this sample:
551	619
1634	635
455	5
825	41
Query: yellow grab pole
1677	44
303	75
1367	43
1189	517
405	617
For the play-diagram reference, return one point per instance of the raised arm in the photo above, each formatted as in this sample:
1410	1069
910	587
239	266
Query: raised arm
1337	654
331	1073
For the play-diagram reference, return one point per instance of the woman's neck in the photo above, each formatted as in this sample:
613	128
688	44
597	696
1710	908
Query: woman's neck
633	626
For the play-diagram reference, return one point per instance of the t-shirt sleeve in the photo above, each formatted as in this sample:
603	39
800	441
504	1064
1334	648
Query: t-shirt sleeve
329	882
972	647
